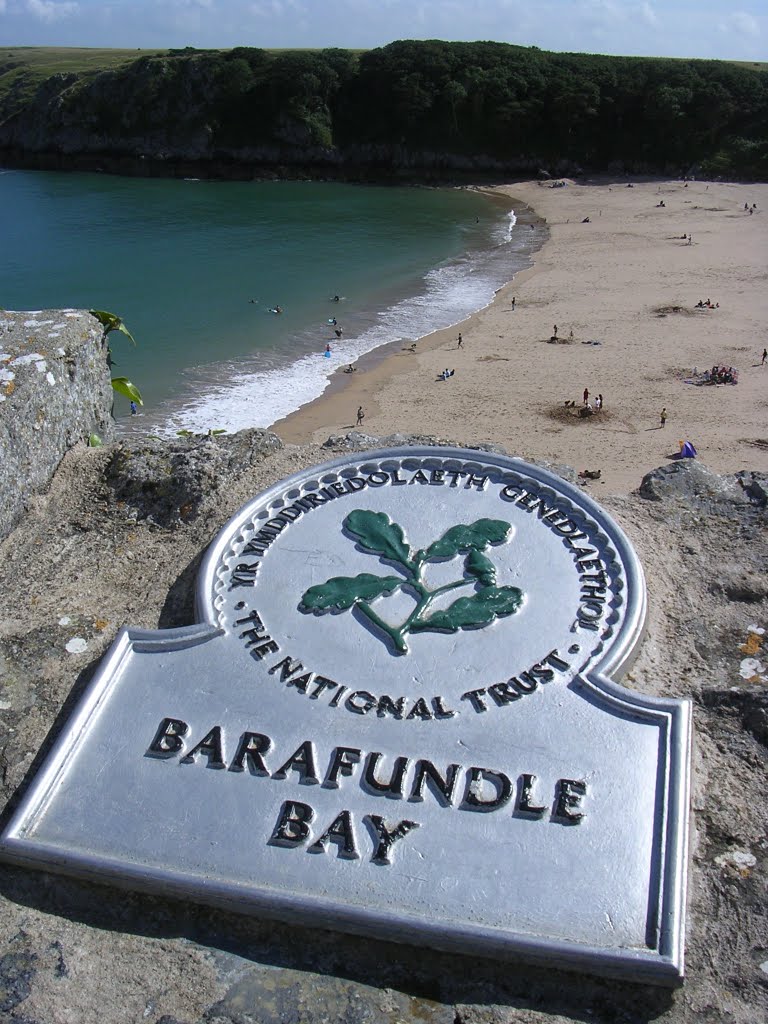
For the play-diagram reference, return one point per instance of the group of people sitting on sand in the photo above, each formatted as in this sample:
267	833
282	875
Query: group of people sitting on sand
445	374
701	304
721	375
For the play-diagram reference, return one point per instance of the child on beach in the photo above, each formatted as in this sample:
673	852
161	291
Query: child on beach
663	416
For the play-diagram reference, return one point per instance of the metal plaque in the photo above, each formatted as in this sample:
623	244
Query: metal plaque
396	717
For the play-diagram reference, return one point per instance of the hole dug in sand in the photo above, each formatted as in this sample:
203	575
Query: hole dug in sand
577	413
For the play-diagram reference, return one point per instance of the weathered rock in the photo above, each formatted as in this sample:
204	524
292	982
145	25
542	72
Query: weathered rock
356	441
54	391
755	485
166	481
106	546
690	480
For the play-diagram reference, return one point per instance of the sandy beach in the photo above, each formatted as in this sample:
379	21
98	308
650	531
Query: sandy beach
622	290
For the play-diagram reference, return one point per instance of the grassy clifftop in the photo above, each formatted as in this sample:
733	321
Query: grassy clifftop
24	68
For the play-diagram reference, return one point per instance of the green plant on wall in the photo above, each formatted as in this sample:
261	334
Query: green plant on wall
376	534
111	322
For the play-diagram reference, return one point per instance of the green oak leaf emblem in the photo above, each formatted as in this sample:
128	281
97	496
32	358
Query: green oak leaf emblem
376	534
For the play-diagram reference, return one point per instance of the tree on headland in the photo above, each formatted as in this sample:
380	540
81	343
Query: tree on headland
412	103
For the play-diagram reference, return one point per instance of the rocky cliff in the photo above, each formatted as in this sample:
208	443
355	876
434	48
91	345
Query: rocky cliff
54	391
118	538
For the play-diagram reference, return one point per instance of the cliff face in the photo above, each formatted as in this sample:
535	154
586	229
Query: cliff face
54	391
67	127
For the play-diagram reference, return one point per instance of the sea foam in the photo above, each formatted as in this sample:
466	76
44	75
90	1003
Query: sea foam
236	395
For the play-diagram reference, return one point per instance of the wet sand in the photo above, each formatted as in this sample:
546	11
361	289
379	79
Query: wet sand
626	280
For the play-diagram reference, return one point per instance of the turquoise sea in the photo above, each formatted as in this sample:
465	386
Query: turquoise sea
194	268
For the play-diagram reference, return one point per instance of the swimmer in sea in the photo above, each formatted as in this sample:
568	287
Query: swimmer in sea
335	299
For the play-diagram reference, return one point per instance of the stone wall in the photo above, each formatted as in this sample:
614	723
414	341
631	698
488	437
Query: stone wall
54	391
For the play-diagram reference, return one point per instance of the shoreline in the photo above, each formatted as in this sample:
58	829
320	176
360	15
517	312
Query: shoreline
305	424
625	280
402	293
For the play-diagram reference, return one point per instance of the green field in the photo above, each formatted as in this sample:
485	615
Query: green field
54	60
757	65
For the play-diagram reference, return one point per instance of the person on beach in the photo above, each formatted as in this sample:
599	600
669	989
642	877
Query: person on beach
134	408
663	416
328	349
461	342
554	331
600	401
360	415
514	300
765	356
338	332
586	396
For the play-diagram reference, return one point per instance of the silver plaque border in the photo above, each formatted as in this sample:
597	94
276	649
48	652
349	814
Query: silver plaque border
662	963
